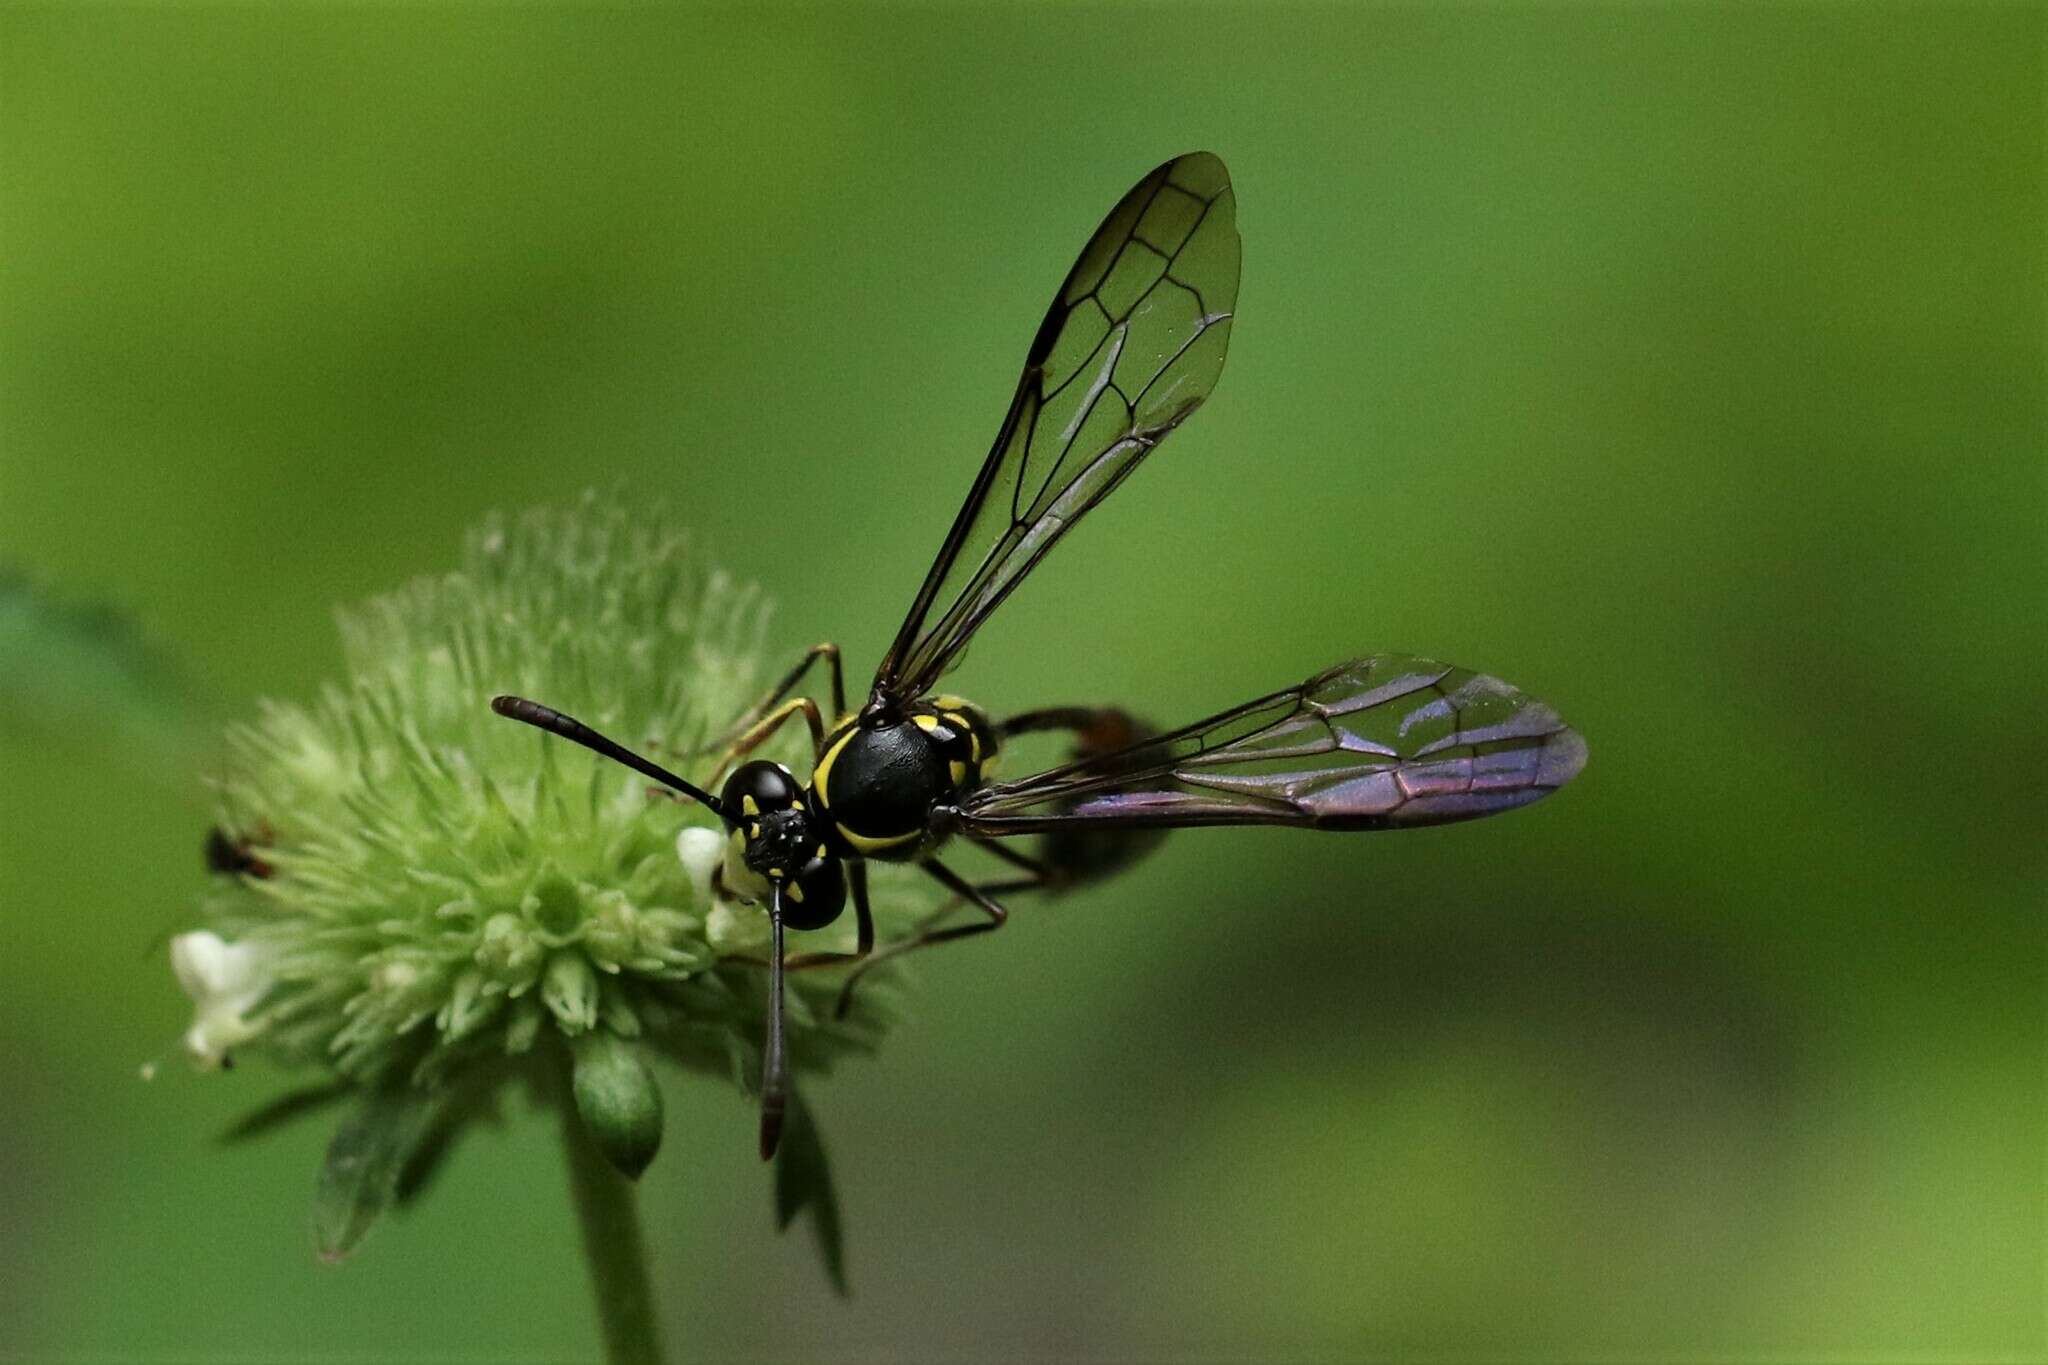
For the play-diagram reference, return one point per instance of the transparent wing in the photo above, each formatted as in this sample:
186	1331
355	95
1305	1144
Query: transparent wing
1376	743
1133	342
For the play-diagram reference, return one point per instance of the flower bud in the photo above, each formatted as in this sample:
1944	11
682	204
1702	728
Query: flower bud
569	990
618	1100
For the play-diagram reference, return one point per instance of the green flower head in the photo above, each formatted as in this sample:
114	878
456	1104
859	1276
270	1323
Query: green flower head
425	898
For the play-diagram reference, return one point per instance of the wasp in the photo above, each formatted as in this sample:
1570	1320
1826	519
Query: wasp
1133	344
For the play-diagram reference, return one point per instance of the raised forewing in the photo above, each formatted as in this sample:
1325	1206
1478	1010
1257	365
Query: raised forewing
1377	743
1133	342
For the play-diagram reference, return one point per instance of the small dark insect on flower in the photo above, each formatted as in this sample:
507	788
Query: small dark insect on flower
1133	343
233	857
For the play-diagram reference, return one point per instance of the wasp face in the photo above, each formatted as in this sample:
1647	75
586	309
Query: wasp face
774	843
778	841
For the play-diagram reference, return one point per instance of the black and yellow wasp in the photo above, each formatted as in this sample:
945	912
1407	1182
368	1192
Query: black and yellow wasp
1132	345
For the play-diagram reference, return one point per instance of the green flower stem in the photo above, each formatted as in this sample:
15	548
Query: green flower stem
608	1211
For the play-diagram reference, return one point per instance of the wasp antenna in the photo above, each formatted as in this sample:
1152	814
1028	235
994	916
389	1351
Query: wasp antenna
569	728
774	1061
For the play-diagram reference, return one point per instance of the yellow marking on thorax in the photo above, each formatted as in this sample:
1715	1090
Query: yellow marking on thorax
822	774
868	844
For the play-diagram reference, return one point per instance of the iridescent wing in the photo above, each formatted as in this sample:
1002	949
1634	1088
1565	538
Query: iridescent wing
1377	743
1133	342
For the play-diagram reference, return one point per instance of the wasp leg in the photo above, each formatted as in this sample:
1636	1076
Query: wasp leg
828	651
1043	875
758	734
1082	720
980	896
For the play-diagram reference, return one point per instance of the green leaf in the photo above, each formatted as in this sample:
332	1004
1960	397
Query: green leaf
473	1101
803	1180
293	1104
72	672
429	1158
369	1153
618	1099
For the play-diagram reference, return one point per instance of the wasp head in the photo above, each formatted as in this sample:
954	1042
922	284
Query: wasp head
781	846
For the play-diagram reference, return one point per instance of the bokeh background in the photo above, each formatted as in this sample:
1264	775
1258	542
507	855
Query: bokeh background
1684	365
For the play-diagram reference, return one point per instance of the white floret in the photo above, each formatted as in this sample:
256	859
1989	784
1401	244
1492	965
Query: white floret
225	980
701	850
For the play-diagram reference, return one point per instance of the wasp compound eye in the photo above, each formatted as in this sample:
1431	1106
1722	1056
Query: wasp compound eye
756	788
813	897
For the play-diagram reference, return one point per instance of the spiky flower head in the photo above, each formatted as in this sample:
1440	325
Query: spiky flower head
419	890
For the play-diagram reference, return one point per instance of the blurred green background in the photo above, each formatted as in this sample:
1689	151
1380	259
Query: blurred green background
1682	365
